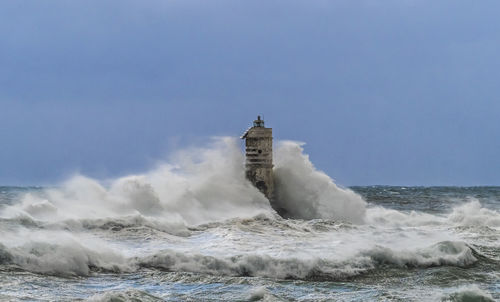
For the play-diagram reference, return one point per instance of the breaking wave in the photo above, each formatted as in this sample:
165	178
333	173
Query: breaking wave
205	185
471	293
202	185
470	213
199	185
72	258
68	259
199	214
131	295
443	253
473	214
307	193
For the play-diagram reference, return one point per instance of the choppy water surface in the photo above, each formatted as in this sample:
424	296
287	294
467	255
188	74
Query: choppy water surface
196	230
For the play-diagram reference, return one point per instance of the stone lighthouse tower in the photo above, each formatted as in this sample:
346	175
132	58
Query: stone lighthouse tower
259	157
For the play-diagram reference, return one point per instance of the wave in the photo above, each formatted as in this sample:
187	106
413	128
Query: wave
71	258
471	293
68	259
197	186
473	214
470	213
262	294
200	185
307	193
451	253
130	223
446	253
131	295
205	185
470	216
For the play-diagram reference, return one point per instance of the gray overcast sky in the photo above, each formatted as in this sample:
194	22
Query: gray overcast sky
383	92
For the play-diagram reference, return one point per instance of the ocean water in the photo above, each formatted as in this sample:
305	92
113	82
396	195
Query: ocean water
193	229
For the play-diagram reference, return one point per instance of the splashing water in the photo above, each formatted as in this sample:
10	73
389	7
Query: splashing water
195	226
203	185
307	193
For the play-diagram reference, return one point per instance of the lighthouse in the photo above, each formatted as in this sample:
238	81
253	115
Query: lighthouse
259	157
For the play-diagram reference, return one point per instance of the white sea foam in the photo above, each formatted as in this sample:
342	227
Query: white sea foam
130	295
199	185
442	253
258	294
202	185
473	214
229	227
388	217
311	257
470	213
66	257
470	293
305	192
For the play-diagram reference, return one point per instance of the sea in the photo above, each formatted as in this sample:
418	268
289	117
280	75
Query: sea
194	229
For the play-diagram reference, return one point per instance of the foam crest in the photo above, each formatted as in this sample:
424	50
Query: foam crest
260	265
389	217
199	185
204	185
66	259
454	253
317	256
471	293
304	192
473	214
261	294
470	213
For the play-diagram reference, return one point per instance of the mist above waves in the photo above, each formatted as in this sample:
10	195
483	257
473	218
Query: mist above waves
199	185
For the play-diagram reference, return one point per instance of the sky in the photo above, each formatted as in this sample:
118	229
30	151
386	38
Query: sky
395	92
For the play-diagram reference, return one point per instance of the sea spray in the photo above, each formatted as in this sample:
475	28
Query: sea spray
307	193
195	228
58	253
203	185
68	258
473	214
199	185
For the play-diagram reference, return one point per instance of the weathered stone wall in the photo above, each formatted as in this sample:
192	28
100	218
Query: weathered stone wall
259	159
